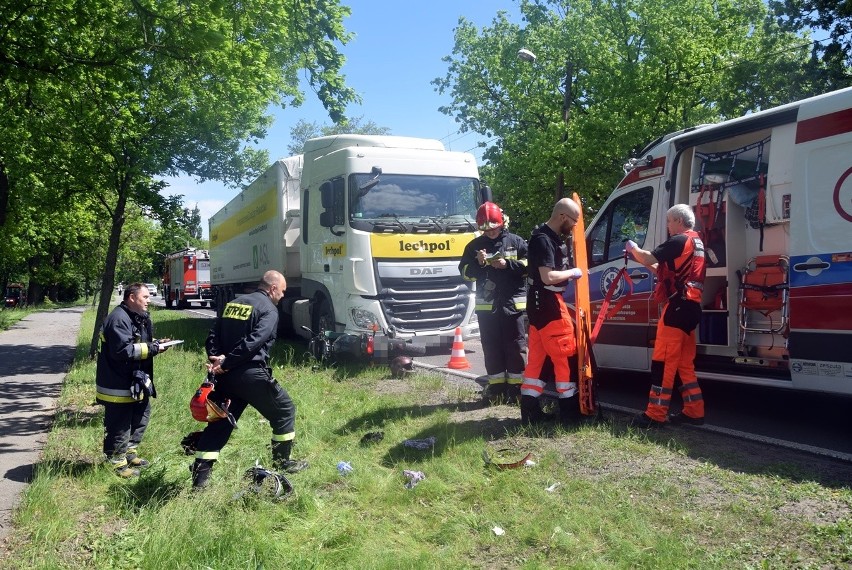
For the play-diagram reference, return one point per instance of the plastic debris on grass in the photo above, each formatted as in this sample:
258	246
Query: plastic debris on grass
425	443
414	477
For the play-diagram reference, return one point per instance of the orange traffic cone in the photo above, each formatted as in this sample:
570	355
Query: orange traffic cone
458	360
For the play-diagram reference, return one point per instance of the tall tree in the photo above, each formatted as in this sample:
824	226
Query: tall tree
136	89
831	57
636	69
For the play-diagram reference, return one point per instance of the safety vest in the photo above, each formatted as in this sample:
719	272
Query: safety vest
687	278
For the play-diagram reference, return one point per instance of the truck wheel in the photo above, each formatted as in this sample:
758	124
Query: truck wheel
168	296
324	317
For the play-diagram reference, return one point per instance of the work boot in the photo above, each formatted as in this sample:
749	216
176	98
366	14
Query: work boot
531	413
569	411
122	468
281	458
643	421
134	460
513	394
496	394
680	418
201	472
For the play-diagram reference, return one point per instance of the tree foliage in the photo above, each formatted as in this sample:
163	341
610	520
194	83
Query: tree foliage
304	130
831	56
636	69
108	96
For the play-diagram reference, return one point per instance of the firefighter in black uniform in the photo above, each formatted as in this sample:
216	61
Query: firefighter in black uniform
125	379
238	349
551	333
496	260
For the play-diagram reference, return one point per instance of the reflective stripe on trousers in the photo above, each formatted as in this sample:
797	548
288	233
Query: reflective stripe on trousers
674	358
555	340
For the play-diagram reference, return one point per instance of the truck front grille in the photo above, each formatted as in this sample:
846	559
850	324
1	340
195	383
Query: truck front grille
413	305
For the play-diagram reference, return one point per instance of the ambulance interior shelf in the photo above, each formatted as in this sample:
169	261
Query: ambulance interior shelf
724	183
735	176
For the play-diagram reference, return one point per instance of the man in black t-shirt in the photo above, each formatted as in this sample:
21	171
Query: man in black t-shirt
551	332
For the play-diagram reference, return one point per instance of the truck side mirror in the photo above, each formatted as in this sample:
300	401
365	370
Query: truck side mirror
332	196
485	194
327	193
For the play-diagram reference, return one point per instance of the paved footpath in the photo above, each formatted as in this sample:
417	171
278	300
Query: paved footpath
35	355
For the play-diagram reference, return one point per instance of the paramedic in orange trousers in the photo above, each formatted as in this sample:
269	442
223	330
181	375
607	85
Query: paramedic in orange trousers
551	332
680	268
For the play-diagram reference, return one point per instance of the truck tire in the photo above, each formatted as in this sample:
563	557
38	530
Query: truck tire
324	317
168	295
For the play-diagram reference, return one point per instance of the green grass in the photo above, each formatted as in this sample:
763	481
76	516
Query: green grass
9	317
623	499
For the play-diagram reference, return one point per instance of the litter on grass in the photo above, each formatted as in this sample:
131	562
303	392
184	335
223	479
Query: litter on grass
425	443
414	477
372	437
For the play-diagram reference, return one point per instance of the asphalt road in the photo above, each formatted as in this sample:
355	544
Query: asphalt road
35	355
811	421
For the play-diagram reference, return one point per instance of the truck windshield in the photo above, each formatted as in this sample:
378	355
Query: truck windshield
401	200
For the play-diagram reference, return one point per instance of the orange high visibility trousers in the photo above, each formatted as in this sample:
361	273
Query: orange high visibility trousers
673	358
556	340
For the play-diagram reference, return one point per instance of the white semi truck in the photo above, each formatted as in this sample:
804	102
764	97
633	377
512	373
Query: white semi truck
368	231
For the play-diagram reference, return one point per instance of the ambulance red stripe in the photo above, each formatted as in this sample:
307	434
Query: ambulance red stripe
824	126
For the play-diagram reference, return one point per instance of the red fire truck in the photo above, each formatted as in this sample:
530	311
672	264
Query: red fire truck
186	278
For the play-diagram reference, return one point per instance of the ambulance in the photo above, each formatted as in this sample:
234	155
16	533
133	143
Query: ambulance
772	196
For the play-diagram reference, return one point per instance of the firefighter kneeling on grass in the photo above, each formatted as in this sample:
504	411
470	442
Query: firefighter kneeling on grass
496	260
680	268
551	332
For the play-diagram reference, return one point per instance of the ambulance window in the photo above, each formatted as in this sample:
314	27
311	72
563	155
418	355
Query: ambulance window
625	218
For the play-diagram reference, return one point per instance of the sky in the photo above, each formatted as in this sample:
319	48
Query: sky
391	61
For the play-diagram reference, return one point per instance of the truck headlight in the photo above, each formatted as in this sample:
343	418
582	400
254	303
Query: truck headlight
364	319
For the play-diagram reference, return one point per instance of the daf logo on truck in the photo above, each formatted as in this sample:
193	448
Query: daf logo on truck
426	270
424	247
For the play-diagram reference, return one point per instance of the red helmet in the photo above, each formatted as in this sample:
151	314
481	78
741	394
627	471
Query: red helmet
203	408
489	216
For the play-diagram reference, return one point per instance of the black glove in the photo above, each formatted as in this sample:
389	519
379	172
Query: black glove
154	348
142	386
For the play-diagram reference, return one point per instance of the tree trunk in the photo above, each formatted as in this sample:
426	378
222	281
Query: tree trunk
108	282
4	194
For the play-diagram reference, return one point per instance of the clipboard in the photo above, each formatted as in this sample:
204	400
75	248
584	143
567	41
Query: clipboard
170	343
